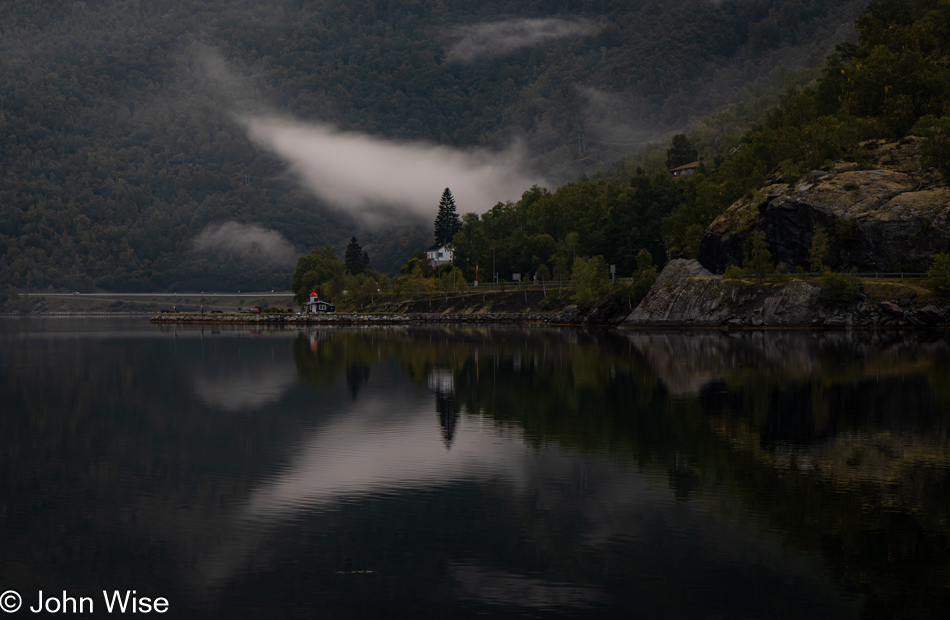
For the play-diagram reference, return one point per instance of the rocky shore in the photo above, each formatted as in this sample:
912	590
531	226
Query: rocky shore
687	295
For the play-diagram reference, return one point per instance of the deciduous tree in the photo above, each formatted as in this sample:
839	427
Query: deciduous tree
818	253
319	271
590	279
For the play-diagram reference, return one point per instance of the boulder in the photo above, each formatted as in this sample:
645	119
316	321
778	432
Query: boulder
686	294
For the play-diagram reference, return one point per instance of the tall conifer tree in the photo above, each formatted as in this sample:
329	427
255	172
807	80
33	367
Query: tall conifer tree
447	222
354	257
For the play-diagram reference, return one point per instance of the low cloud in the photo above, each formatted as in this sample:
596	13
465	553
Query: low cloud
620	122
377	180
503	37
249	241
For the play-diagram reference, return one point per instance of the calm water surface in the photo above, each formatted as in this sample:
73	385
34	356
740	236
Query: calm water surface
417	473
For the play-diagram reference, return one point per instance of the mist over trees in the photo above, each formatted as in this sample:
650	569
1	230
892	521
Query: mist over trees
118	144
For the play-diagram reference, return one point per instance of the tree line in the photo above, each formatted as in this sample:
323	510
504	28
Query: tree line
891	83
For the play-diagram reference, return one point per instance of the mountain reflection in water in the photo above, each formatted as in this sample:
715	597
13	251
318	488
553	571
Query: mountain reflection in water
455	472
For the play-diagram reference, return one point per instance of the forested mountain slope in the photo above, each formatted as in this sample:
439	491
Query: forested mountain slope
122	165
863	151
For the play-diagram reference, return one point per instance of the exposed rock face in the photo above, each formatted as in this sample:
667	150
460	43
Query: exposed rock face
686	295
891	218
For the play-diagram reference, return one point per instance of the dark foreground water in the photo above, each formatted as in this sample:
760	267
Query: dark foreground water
447	473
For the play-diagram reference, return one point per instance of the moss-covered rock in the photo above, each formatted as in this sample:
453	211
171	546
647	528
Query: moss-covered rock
883	213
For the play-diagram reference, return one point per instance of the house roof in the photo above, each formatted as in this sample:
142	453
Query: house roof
437	246
695	164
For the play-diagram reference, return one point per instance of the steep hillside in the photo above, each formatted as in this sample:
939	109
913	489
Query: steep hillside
122	157
863	152
886	214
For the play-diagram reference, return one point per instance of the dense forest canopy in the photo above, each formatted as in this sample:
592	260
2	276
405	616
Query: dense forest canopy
118	149
893	82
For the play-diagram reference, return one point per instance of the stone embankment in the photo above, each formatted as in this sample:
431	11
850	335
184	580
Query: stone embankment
686	295
363	319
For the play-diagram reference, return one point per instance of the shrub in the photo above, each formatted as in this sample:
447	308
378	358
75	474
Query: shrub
839	290
550	302
733	272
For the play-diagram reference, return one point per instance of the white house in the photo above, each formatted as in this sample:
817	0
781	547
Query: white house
315	305
440	254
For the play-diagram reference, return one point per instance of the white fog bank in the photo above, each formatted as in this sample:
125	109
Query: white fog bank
371	177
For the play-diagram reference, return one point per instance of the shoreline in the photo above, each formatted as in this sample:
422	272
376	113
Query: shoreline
551	319
70	315
361	319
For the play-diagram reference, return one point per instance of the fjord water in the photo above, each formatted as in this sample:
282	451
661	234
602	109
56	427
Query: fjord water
502	472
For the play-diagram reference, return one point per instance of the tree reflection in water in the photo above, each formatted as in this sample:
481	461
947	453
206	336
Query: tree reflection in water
838	439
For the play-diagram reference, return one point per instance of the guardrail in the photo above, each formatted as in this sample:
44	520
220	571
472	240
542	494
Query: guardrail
523	284
877	274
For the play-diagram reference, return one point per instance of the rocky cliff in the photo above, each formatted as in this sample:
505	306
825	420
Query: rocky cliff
687	295
882	213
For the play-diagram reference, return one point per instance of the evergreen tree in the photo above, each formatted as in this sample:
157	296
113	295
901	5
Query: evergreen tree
681	152
354	258
447	222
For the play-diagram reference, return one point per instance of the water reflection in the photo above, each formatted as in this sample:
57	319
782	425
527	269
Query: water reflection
790	426
384	444
240	386
442	384
453	472
495	587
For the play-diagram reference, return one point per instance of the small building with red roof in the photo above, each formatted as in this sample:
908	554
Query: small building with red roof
315	306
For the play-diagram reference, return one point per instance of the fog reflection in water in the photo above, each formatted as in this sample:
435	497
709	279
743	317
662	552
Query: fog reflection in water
244	387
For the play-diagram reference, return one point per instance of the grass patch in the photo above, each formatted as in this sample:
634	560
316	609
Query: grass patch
880	289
